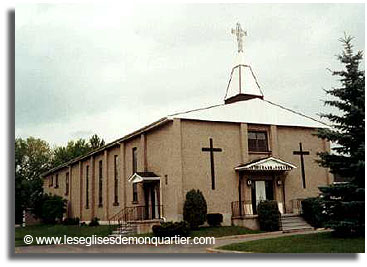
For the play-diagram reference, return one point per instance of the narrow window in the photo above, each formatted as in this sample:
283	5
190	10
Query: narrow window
67	184
51	181
135	159
257	141
100	183
57	181
116	174
135	192
87	187
135	167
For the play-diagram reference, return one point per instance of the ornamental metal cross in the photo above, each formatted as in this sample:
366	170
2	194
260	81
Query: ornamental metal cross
211	149
301	153
240	33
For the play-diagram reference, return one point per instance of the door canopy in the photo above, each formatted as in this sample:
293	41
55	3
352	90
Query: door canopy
266	164
139	177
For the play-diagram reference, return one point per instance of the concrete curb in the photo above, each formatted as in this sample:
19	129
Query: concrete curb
215	250
248	235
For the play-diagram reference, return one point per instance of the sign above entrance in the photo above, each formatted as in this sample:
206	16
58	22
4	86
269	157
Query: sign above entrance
267	164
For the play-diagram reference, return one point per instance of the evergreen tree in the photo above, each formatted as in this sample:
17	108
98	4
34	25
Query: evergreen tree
195	208
344	202
96	142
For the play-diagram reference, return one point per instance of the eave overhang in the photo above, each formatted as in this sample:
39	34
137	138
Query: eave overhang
140	177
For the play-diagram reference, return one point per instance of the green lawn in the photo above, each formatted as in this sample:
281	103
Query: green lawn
310	243
216	231
59	231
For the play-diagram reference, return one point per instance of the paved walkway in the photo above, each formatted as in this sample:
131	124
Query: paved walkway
150	248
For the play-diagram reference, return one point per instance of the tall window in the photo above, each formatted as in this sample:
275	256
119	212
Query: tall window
87	187
67	184
100	181
57	181
51	181
116	174
135	167
135	159
135	192
257	141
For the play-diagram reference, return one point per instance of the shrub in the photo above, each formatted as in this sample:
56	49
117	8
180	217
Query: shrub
195	208
94	222
171	229
71	221
214	219
269	215
313	211
50	208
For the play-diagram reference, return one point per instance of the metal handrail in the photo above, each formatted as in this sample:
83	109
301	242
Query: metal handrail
136	213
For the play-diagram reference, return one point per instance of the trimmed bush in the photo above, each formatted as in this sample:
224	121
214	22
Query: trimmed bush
50	208
195	209
269	215
313	211
171	229
94	222
71	221
214	219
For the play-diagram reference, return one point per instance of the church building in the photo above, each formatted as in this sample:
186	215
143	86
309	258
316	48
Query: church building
237	153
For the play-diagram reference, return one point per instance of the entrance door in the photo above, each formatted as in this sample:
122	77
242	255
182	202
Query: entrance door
151	199
261	190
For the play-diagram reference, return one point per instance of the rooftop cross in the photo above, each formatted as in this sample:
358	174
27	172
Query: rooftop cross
240	33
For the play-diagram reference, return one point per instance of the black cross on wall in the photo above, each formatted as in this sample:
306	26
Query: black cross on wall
301	153
211	149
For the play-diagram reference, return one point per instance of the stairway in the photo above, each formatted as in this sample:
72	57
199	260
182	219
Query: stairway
294	223
125	229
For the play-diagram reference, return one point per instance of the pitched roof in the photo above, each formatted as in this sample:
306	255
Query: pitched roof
255	110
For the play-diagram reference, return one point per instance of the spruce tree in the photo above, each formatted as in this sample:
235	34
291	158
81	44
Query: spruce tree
344	202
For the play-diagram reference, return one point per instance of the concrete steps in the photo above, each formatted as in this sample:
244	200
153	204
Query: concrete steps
125	229
294	223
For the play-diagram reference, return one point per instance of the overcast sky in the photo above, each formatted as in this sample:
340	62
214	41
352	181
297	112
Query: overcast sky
84	69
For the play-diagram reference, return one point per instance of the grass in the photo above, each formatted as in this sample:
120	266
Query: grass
219	231
215	231
309	243
59	231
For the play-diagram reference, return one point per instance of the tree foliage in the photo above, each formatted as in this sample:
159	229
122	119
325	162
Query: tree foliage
195	208
76	149
344	203
50	208
33	157
348	131
96	142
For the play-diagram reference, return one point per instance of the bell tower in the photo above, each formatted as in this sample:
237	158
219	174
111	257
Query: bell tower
242	84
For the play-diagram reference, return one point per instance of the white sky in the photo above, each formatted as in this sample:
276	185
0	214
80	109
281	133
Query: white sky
105	69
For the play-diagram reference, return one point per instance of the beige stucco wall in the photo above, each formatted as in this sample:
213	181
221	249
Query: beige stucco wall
289	138
174	152
197	167
163	158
